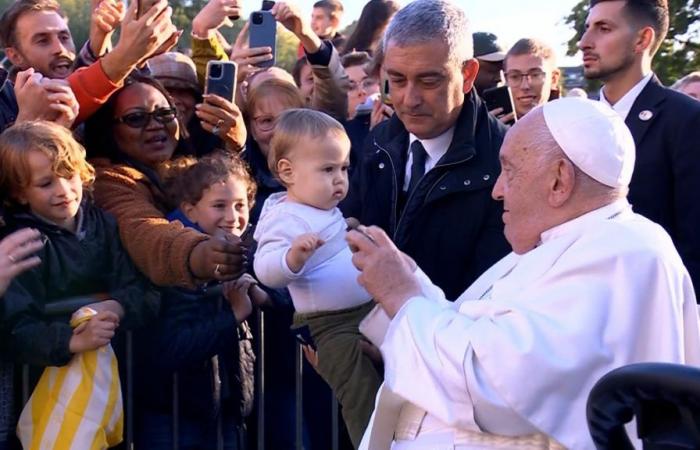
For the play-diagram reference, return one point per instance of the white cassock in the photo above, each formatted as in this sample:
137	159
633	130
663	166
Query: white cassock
601	291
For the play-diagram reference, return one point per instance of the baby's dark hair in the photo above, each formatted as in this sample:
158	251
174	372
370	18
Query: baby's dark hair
186	178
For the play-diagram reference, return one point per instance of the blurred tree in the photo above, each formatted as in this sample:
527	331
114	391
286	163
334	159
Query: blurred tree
349	29
679	53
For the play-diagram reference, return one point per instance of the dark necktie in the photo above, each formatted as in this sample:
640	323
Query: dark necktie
418	164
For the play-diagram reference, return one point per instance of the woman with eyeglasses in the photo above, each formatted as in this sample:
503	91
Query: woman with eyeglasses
136	131
265	103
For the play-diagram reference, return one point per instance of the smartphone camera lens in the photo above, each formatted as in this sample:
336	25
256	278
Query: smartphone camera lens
257	18
215	71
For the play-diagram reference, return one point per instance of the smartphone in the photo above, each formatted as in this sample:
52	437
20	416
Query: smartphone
221	79
143	6
267	5
263	33
499	97
386	97
303	336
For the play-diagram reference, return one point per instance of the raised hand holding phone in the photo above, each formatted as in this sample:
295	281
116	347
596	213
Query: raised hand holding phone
213	15
262	32
289	15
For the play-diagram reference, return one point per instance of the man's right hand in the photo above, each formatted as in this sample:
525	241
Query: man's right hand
40	98
32	98
95	333
140	39
220	259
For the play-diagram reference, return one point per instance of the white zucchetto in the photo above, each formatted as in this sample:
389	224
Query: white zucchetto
594	137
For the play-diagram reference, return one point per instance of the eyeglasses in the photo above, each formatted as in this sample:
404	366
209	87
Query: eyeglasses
514	78
139	119
366	84
265	123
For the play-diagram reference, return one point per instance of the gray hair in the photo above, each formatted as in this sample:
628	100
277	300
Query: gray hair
424	20
692	77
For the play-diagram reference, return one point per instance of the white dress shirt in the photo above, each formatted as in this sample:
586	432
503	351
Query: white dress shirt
624	105
435	148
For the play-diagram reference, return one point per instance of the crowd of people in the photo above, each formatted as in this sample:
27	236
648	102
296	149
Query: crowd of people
431	250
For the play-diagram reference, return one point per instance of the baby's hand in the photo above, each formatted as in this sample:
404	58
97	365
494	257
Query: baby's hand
94	333
303	247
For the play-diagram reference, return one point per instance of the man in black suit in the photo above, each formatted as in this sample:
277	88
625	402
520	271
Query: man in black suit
425	175
618	45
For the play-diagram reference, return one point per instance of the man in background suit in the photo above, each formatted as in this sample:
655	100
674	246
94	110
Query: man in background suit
618	46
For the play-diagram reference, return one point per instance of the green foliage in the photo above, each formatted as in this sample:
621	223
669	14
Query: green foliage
679	53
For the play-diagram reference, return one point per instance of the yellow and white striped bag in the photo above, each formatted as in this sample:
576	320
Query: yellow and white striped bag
77	406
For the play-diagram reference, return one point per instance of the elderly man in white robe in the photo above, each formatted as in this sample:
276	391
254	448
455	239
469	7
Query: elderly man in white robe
590	286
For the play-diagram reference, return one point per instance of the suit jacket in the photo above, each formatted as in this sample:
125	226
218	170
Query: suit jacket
450	224
665	186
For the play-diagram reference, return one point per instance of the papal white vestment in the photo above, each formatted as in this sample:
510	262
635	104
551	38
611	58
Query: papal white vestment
518	353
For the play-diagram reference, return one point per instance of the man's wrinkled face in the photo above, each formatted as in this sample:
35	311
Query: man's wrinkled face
608	42
43	42
523	186
427	89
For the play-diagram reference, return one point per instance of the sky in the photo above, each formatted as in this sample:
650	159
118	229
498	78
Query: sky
542	19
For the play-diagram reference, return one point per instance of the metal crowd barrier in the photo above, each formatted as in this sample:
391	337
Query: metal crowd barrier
68	306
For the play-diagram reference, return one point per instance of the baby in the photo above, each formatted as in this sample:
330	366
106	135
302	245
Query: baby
301	245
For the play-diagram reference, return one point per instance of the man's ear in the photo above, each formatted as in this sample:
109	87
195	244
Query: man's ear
645	40
335	22
285	171
563	183
470	69
15	57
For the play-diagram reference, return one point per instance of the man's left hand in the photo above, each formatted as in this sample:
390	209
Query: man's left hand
386	273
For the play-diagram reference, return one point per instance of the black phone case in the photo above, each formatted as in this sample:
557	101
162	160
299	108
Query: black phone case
303	336
498	97
225	85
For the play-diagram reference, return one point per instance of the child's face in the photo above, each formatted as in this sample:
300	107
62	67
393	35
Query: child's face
222	208
318	172
49	195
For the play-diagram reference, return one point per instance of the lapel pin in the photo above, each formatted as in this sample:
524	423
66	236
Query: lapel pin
646	115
